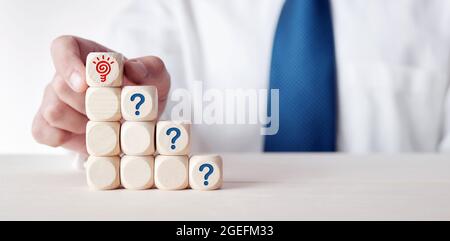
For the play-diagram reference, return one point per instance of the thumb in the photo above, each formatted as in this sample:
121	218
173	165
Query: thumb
69	54
148	70
136	72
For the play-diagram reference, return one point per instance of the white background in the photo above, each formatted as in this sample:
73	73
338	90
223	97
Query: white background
26	31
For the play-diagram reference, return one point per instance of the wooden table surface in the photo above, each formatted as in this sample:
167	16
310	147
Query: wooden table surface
257	187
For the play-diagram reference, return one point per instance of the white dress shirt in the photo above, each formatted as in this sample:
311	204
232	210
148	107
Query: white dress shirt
393	62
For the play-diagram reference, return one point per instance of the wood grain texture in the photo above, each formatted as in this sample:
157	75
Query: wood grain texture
103	173
103	104
137	172
171	172
256	187
102	138
138	138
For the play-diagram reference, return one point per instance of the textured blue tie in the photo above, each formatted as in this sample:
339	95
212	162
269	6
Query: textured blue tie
303	69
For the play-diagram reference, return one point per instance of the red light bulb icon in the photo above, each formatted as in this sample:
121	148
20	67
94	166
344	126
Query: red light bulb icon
103	67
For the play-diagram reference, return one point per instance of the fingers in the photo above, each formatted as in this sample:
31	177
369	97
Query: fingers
59	115
58	125
148	70
67	95
61	120
69	54
76	143
48	135
135	70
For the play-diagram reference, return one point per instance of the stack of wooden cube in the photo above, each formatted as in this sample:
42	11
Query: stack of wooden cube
107	104
104	75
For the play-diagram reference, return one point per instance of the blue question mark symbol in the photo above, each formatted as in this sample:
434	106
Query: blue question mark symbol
210	171
141	101
175	138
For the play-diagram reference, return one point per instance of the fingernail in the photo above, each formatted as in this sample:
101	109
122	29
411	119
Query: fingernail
138	69
75	81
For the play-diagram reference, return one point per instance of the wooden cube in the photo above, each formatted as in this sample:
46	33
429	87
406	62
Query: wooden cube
171	172
103	173
172	138
102	138
103	104
139	103
137	172
104	69
138	138
205	172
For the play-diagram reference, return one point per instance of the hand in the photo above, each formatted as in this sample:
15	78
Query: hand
61	119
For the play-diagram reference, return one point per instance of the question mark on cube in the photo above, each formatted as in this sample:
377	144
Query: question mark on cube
174	138
208	174
140	102
205	172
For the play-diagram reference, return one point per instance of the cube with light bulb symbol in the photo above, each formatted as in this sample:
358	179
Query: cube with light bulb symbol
104	69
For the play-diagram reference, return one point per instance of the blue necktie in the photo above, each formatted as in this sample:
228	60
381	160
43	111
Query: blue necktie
303	69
